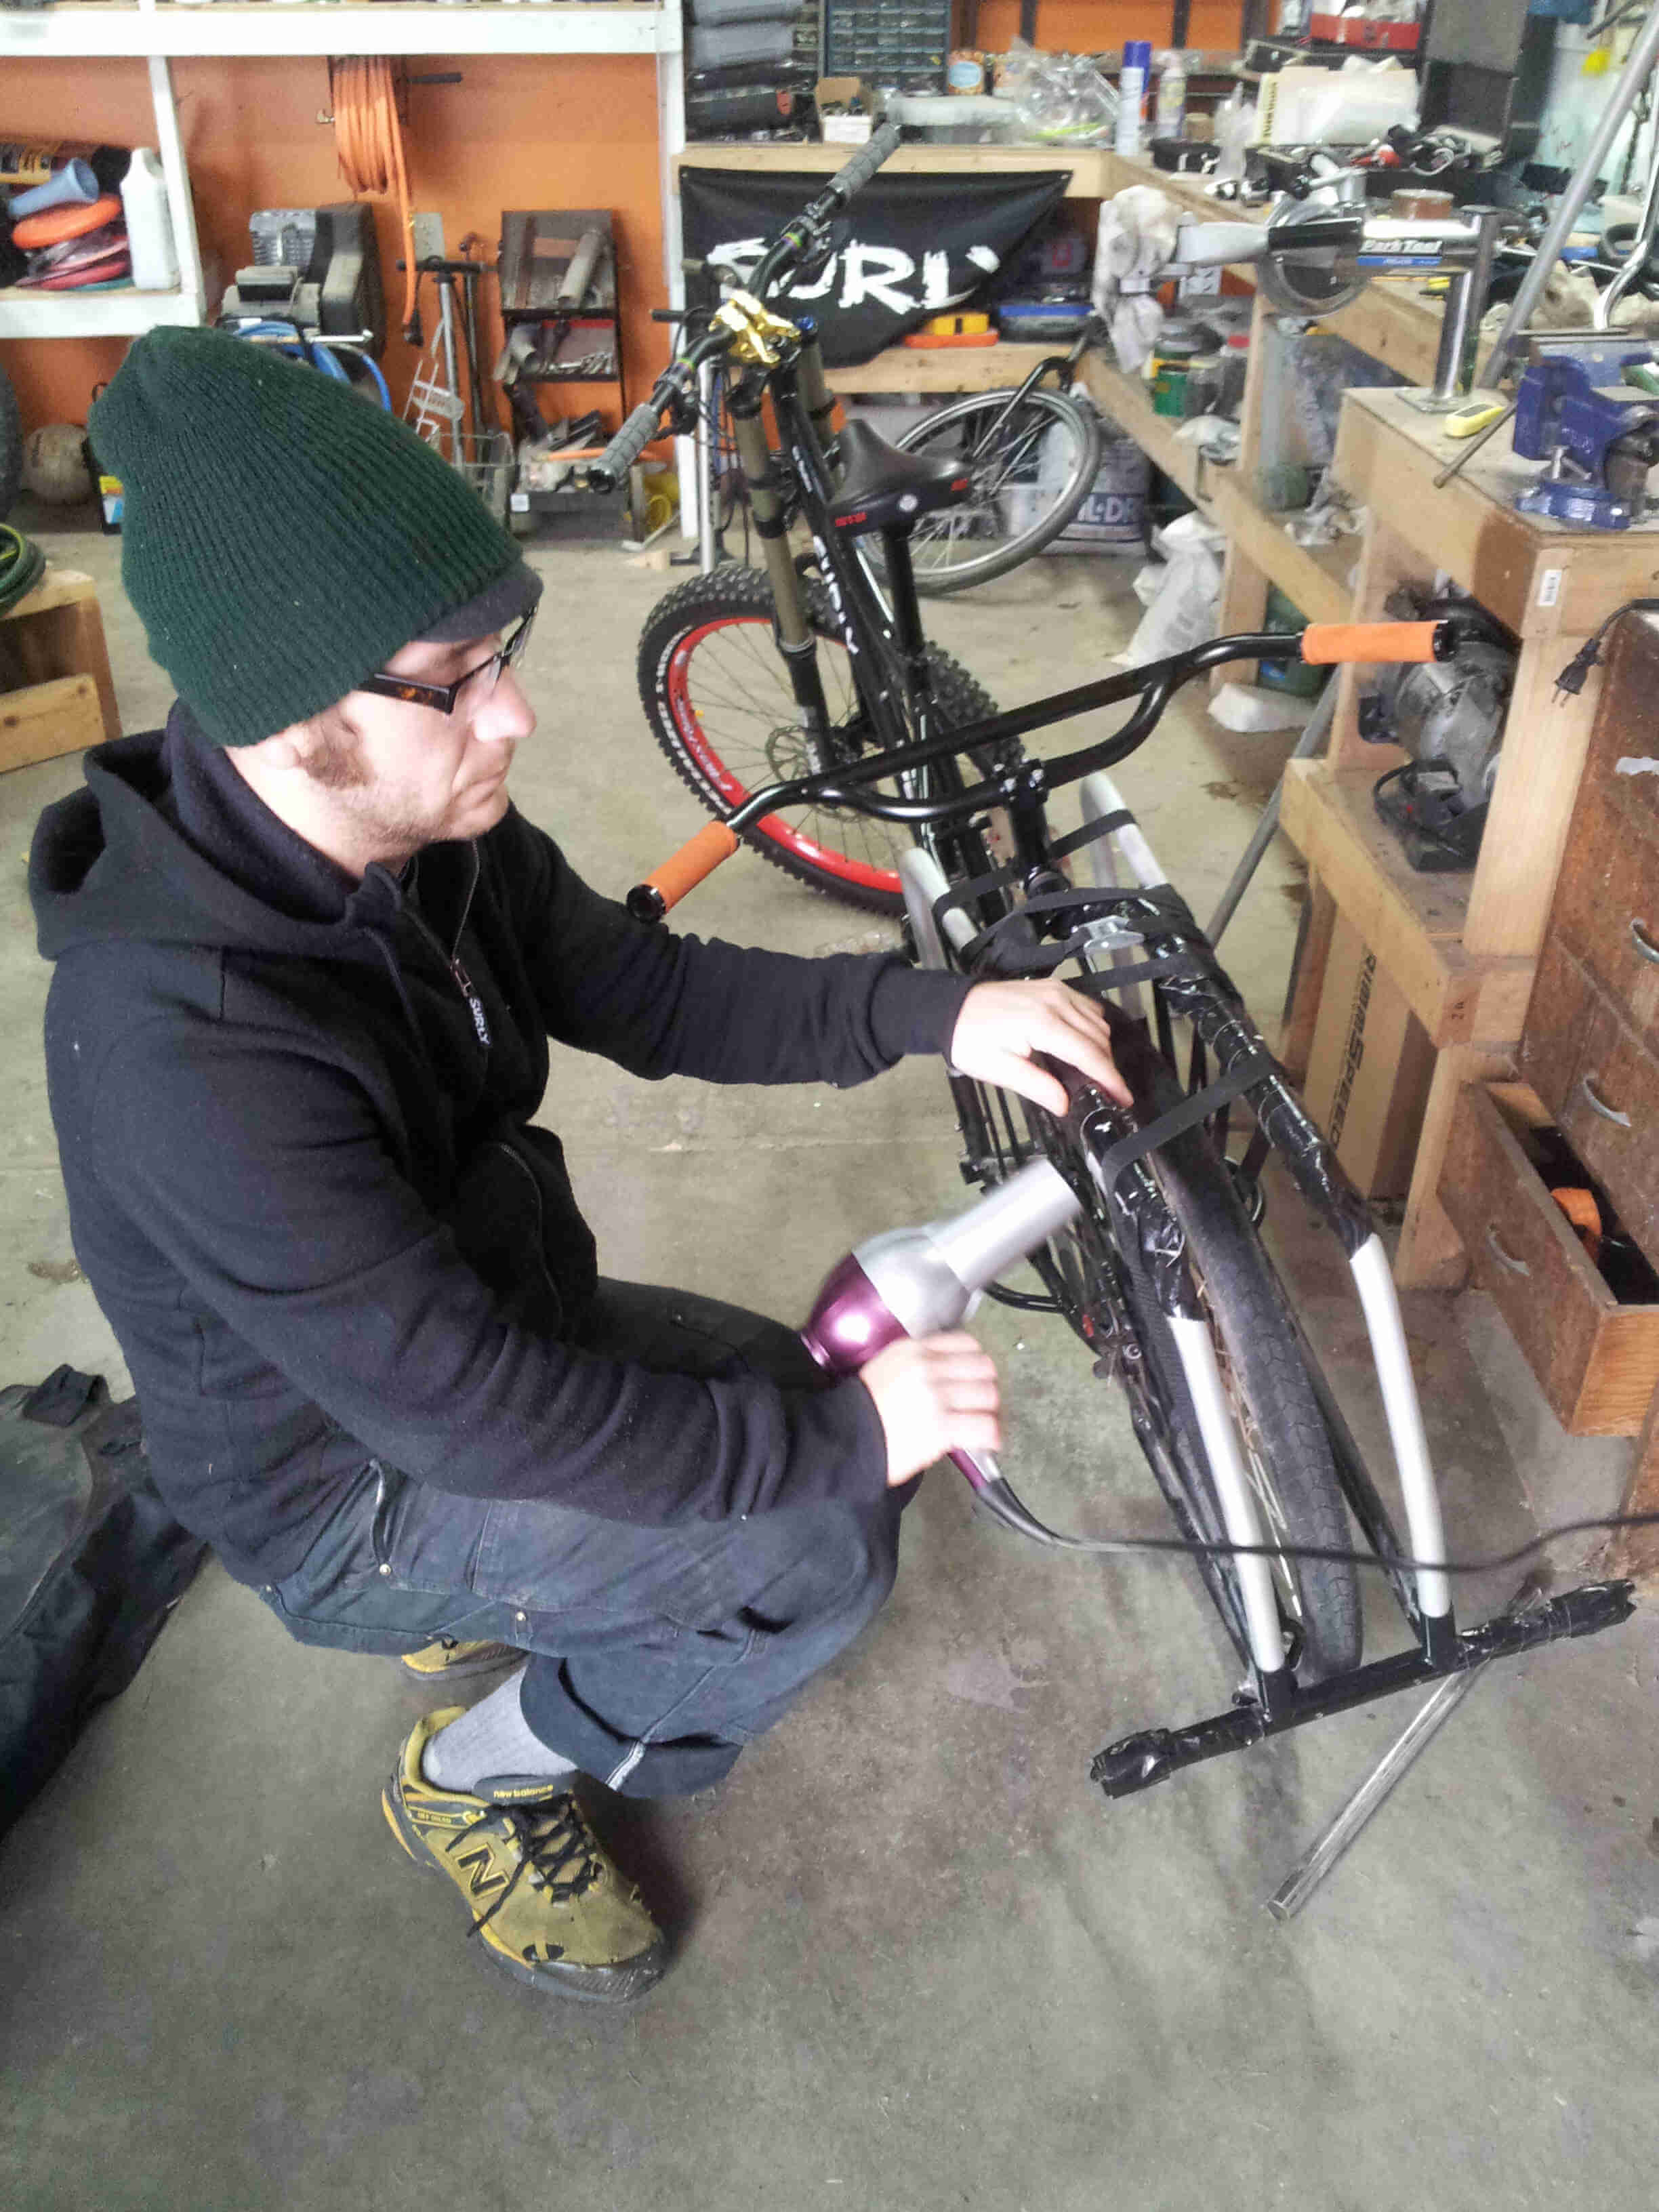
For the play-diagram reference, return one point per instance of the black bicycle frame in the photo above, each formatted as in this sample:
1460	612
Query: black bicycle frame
888	649
888	652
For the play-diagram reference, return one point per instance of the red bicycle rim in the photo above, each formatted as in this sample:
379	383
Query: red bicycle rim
734	791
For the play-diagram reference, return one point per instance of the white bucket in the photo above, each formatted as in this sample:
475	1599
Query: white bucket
1112	516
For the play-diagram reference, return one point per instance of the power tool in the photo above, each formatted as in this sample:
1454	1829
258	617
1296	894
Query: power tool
318	268
1448	715
914	1282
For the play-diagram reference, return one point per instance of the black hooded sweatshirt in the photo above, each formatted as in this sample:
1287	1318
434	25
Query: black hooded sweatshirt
294	1112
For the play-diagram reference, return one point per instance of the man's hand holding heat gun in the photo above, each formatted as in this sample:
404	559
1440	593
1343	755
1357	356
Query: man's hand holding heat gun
938	1394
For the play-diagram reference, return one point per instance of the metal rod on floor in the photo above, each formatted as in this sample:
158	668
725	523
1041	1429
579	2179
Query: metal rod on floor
1318	729
1323	1853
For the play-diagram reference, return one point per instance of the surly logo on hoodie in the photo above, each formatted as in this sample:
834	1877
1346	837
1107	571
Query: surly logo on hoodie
859	275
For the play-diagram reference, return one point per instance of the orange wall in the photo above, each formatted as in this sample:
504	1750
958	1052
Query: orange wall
1095	27
575	131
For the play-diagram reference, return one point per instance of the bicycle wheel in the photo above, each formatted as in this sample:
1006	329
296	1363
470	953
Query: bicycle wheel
1028	474
1286	1450
1092	1274
717	695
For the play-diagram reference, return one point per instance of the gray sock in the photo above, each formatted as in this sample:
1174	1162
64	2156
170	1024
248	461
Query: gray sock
494	1743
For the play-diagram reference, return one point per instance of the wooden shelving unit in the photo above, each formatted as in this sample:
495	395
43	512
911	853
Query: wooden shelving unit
946	368
107	30
1460	949
163	30
1416	922
1091	167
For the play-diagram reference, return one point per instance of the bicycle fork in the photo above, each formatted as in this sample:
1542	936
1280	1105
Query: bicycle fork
1227	1029
1141	1209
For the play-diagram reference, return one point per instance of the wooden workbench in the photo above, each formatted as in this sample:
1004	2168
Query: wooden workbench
1458	950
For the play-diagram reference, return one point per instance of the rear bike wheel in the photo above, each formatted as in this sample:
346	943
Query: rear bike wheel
718	698
1028	474
1094	1275
1285	1447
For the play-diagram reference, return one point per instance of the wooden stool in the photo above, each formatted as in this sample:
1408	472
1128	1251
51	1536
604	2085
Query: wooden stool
56	694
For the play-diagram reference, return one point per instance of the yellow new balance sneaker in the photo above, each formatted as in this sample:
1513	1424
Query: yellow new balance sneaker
449	1660
549	1903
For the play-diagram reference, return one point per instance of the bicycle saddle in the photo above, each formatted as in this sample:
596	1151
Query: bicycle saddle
883	488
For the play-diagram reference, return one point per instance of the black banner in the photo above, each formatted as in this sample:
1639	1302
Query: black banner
909	247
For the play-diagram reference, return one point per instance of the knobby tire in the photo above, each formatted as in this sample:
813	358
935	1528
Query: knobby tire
864	873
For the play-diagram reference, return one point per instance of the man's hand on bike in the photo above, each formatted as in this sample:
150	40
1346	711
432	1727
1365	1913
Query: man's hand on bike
1002	1025
934	1394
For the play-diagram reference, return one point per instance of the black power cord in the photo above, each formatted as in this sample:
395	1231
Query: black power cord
1574	677
1393	1563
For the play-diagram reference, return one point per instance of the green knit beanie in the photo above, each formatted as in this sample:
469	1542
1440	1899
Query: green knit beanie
282	537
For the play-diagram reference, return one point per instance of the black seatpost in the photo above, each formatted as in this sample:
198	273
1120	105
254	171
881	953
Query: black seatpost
906	610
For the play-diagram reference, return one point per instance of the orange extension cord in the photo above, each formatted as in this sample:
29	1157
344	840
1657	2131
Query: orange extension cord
369	142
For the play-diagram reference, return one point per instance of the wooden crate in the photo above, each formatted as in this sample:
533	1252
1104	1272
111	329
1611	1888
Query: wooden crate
56	692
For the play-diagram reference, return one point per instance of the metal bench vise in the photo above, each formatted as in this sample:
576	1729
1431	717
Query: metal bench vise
1598	434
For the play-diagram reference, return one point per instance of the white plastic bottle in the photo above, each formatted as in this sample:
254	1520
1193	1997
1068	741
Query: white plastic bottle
1235	130
149	222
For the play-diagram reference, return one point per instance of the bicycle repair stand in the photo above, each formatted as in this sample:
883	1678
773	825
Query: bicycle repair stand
1332	1845
1169	948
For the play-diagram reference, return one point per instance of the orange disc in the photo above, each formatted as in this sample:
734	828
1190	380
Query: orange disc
1585	1215
54	225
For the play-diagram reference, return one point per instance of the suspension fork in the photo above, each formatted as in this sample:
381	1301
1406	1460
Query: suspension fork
817	398
768	484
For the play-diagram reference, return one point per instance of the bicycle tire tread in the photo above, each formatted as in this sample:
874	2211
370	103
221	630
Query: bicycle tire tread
1260	1342
735	591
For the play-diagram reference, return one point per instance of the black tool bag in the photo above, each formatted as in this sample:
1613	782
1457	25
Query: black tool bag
91	1564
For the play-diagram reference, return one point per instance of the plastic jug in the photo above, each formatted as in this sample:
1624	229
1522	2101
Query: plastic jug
149	222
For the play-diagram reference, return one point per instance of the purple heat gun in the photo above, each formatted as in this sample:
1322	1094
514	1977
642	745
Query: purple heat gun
914	1282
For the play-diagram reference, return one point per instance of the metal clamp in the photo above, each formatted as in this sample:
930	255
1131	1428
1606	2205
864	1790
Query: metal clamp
1505	1259
1600	1104
1643	944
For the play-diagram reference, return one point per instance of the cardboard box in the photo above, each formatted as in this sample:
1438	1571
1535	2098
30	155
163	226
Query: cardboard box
843	130
1369	1069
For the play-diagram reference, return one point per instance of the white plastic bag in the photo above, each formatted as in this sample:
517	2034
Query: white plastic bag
1183	613
1252	707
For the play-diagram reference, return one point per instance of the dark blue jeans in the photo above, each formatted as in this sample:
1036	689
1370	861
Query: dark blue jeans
656	1654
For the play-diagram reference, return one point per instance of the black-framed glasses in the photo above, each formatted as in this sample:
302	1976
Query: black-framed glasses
443	697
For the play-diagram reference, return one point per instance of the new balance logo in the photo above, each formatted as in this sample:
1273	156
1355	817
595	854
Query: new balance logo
482	1874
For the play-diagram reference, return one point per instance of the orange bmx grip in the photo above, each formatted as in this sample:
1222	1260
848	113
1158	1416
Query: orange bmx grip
1324	643
682	872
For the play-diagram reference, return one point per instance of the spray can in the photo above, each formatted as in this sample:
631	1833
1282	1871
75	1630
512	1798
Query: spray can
1170	116
1132	92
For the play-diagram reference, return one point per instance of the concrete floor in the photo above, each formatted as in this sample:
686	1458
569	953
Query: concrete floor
923	1965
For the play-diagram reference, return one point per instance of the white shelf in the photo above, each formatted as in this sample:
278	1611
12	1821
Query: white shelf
122	313
107	29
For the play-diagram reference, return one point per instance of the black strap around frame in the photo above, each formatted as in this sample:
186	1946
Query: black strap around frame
1240	1076
996	879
